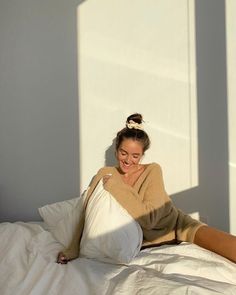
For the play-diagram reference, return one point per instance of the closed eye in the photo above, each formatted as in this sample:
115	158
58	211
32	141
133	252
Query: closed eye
136	156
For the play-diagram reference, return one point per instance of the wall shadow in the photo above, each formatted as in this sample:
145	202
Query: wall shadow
211	197
39	100
110	159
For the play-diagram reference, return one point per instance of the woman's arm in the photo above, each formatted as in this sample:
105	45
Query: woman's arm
152	208
149	208
72	251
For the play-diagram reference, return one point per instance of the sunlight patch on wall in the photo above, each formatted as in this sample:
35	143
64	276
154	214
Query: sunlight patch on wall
139	56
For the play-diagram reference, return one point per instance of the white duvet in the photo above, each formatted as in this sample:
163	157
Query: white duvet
27	266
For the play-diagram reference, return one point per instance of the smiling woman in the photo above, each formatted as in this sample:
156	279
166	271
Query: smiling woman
139	189
131	143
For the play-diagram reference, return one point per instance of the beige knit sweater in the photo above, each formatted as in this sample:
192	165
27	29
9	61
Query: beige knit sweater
148	203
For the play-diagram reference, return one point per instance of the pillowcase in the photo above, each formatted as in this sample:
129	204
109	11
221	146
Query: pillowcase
52	213
110	233
62	218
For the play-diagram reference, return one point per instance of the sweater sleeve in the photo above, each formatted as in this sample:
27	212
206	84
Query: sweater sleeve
150	209
72	251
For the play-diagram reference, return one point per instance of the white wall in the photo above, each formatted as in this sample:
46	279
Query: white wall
139	57
231	72
136	56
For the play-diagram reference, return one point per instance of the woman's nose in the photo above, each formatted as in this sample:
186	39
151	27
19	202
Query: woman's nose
127	159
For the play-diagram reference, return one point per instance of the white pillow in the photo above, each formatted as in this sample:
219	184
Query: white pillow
110	233
52	213
62	218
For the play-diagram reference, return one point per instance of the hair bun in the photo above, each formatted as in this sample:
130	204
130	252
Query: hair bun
137	118
133	130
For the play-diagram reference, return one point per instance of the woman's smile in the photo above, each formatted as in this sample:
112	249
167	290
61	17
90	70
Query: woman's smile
129	155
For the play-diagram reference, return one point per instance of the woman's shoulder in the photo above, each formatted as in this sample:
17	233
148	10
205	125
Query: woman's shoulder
153	166
153	169
106	170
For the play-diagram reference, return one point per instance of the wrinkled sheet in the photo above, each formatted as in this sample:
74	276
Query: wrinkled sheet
27	266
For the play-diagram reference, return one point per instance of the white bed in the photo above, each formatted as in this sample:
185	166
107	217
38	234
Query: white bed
110	261
27	266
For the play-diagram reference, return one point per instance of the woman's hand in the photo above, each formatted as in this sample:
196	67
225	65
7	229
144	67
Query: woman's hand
106	178
61	258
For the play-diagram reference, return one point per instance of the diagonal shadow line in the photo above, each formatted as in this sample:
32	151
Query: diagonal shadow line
211	197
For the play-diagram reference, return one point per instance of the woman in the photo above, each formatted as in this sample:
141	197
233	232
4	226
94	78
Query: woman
139	188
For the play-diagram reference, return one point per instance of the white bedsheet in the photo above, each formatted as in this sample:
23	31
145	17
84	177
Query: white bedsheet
27	266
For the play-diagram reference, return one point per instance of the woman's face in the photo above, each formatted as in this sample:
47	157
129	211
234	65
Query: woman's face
129	154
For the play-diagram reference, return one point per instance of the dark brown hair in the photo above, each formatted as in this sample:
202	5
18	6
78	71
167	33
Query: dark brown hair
133	133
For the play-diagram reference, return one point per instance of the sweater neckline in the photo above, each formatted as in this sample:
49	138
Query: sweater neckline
139	179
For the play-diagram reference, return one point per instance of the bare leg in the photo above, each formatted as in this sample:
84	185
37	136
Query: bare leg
217	241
